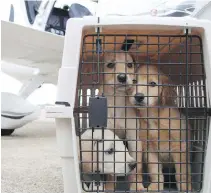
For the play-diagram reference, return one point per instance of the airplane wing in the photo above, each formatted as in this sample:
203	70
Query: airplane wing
40	51
33	57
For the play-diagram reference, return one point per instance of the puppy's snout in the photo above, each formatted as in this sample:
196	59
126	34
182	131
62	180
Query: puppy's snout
132	165
139	97
122	77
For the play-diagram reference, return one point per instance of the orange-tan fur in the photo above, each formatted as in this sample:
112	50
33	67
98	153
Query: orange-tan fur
161	129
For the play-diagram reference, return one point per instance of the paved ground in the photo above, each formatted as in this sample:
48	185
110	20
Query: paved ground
30	160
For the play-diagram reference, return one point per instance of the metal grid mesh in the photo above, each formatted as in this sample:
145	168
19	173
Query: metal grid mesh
165	132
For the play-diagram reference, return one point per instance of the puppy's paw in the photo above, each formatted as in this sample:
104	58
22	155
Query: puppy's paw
154	187
137	187
184	188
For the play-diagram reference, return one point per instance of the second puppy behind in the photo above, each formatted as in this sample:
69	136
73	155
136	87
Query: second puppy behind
163	127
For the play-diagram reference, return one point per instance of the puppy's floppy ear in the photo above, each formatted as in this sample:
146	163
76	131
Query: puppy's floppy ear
168	93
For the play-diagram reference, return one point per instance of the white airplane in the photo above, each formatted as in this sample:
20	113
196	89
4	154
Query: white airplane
159	8
32	45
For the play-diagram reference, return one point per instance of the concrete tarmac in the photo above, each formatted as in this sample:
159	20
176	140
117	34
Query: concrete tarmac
30	160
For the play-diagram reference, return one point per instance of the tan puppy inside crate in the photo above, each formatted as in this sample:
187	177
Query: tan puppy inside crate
163	128
118	75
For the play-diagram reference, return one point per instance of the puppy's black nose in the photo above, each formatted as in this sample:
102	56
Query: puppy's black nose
132	165
139	97
122	77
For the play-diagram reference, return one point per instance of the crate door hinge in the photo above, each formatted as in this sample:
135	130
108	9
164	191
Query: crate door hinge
99	49
98	46
98	29
187	30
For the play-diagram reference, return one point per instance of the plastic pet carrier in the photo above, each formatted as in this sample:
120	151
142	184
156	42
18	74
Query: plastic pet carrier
133	105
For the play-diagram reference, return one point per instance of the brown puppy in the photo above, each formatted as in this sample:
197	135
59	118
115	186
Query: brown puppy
163	128
118	77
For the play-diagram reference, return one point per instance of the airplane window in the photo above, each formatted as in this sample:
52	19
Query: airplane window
32	9
77	10
186	5
57	21
58	18
191	9
177	14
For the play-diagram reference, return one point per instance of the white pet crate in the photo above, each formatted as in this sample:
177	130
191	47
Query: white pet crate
163	35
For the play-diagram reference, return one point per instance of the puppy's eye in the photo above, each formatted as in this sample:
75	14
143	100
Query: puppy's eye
153	84
134	81
110	65
129	65
110	151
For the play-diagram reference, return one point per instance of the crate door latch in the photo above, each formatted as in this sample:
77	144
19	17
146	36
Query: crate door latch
98	111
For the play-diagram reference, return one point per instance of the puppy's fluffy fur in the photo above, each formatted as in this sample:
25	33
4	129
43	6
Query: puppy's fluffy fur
163	129
98	148
122	119
107	152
